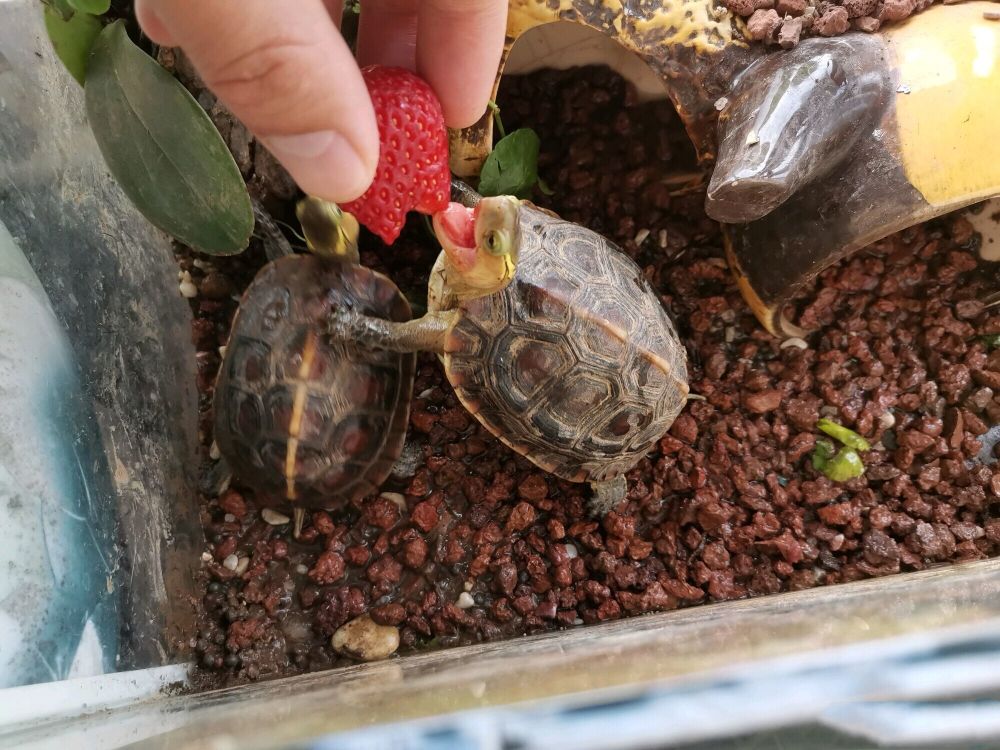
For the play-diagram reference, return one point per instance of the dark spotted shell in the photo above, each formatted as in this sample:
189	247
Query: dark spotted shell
314	421
576	364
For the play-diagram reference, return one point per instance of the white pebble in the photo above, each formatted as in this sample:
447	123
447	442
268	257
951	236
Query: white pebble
730	334
887	420
752	138
229	518
571	551
301	569
188	289
365	640
721	103
273	517
396	499
794	341
222	350
468	586
661	238
465	600
425	393
578	621
641	236
242	565
231	562
206	557
696	397
204	265
214	453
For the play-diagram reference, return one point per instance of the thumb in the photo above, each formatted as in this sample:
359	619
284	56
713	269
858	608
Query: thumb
286	72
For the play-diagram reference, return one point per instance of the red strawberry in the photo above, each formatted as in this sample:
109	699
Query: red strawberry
413	157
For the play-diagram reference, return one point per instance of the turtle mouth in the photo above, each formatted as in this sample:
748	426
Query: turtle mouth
455	228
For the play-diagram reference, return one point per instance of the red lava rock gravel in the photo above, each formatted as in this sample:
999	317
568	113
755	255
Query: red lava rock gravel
472	543
785	22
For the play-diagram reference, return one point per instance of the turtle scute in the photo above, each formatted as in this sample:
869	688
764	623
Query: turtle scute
575	364
298	415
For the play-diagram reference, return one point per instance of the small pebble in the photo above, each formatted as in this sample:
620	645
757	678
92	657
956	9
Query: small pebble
231	562
206	557
571	551
301	569
794	341
396	499
641	236
274	518
241	565
187	287
752	138
229	518
468	585
365	640
721	103
662	238
214	453
465	600
887	420
222	350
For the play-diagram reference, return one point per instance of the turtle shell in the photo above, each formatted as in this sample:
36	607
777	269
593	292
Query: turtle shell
314	421
576	364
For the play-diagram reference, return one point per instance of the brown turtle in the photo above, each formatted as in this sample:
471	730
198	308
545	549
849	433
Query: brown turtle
551	337
301	417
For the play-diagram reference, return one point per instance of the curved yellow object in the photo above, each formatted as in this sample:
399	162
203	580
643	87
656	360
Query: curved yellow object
647	28
946	106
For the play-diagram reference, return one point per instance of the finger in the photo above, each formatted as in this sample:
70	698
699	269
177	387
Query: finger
151	24
459	43
388	33
290	78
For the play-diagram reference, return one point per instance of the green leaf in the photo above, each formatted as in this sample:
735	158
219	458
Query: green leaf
512	167
93	7
62	7
846	436
72	39
847	464
822	453
991	342
163	149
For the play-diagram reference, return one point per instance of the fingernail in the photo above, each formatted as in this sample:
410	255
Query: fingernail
324	164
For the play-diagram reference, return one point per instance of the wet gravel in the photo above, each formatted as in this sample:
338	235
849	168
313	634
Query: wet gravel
469	542
786	22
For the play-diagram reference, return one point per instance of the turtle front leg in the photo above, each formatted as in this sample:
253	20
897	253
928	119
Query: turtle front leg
425	334
607	495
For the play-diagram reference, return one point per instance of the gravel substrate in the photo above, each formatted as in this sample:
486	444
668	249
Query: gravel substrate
785	22
471	542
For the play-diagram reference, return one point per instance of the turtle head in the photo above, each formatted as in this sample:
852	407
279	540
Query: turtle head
329	230
481	244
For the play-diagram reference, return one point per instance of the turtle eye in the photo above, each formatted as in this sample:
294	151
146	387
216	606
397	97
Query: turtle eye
496	242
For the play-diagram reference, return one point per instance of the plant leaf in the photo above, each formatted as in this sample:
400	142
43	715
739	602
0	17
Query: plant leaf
846	465
93	7
60	6
163	149
512	166
72	39
843	434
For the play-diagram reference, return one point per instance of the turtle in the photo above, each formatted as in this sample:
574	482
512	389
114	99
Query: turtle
813	152
308	420
551	337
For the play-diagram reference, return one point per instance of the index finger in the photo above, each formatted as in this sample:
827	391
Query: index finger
459	44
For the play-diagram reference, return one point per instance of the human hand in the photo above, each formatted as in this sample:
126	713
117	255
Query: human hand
286	72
